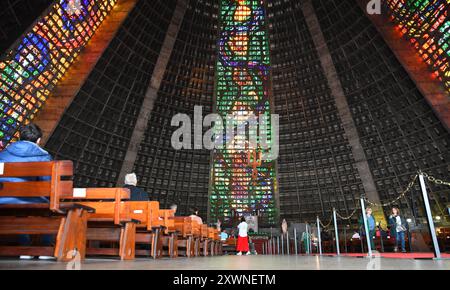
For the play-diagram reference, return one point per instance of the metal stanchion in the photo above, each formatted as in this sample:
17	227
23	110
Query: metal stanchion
338	250
409	239
345	239
295	241
319	236
287	243
307	249
278	245
437	251
366	227
310	239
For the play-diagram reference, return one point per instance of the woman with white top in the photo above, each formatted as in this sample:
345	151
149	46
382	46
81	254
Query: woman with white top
242	241
398	227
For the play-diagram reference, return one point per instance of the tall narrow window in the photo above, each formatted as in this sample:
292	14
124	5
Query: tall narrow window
243	183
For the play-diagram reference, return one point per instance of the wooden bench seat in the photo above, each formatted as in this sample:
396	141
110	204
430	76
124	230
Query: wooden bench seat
66	221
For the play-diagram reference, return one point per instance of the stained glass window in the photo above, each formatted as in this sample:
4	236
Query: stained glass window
242	183
426	23
30	70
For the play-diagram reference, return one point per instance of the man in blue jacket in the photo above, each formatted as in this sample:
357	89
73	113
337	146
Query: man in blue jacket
26	150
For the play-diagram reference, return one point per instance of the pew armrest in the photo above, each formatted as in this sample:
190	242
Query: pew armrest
64	208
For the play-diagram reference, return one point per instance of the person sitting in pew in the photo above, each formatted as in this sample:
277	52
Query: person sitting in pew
27	149
136	193
194	216
174	207
223	235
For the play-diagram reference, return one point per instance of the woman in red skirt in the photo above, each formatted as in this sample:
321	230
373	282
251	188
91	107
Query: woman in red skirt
242	242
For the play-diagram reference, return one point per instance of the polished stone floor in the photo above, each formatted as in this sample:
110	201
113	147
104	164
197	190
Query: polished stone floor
239	263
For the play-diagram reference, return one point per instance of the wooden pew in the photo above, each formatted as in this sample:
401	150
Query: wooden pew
185	241
148	232
156	228
196	234
204	239
111	222
170	237
68	221
217	250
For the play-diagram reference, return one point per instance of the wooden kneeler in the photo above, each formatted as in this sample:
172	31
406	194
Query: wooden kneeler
67	221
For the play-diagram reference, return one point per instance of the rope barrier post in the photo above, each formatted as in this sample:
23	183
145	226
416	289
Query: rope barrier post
287	243
319	236
345	239
336	232
271	242
437	252
310	239
273	246
295	241
278	245
409	239
366	227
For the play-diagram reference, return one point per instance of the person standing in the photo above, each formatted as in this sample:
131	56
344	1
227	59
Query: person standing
371	224
242	242
398	226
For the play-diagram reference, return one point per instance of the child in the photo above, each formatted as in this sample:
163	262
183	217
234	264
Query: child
242	242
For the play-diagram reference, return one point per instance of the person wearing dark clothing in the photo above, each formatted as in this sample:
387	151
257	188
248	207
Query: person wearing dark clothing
136	193
371	224
27	150
398	226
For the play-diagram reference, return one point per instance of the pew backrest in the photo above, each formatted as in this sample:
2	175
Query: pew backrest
37	179
183	225
109	203
204	231
211	233
196	228
146	212
168	220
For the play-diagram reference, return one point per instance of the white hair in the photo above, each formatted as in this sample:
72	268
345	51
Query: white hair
131	179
